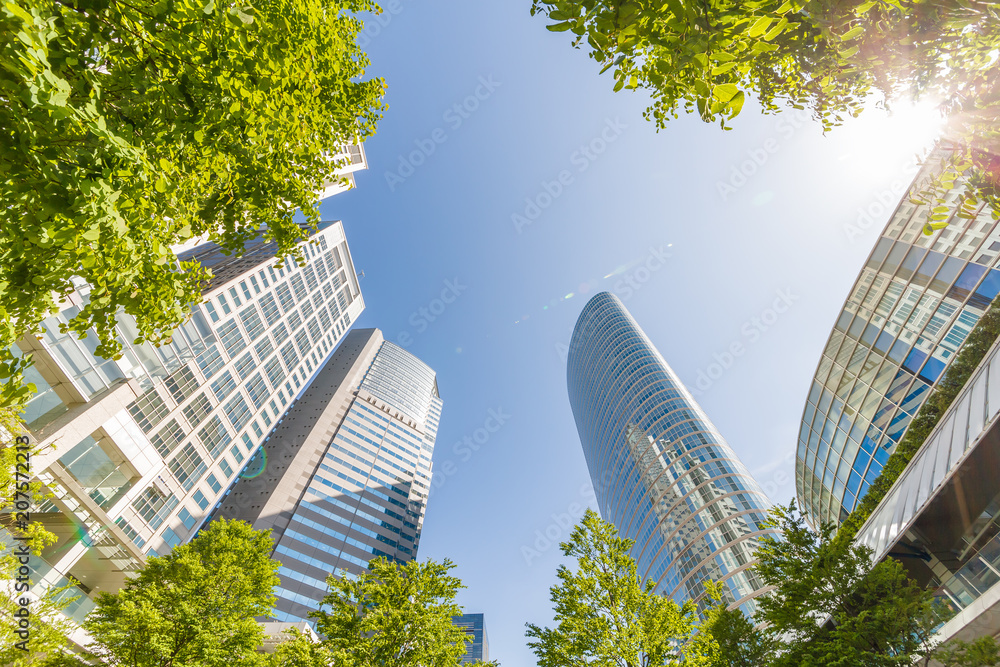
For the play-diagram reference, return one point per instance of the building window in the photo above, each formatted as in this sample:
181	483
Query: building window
224	304
130	532
238	412
214	436
257	390
214	483
227	469
298	287
270	309
153	506
310	278
231	338
224	385
288	354
264	348
251	322
294	320
182	383
171	538
210	309
245	365
236	296
187	467
210	361
280	333
302	339
167	438
197	409
256	287
237	454
200	500
246	290
186	518
148	410
285	297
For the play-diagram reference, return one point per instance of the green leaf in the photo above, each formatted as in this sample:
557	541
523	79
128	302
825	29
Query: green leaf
852	33
560	27
725	91
164	164
160	185
209	8
760	26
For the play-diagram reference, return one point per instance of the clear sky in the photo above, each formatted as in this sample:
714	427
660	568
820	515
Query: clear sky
699	231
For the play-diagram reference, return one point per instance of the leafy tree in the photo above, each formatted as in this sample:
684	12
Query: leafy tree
982	652
605	614
394	614
195	607
829	57
47	630
831	606
727	638
129	127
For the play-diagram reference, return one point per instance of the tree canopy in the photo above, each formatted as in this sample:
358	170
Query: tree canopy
130	127
195	607
605	615
832	58
393	614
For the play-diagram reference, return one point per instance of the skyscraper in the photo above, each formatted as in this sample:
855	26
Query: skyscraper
915	301
475	626
662	473
144	446
344	477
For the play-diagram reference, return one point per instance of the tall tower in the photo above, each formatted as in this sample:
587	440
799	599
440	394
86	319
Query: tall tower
136	451
344	477
662	473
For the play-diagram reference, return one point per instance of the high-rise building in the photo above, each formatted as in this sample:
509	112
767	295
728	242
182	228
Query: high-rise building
475	626
917	298
344	477
662	473
136	451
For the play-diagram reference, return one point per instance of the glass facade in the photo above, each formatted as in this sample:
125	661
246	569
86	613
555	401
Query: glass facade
662	473
475	626
158	435
913	305
359	441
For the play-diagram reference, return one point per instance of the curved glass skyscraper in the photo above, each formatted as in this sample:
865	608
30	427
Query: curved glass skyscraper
662	473
914	303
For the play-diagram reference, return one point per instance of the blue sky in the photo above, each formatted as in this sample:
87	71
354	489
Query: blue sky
482	229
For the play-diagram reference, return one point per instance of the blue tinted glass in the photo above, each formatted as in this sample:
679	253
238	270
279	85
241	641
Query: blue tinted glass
898	350
932	370
963	286
884	342
914	360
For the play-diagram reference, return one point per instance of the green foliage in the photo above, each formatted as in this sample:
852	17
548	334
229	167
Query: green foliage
729	639
829	57
979	342
982	652
605	615
394	614
130	127
48	631
195	607
831	606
